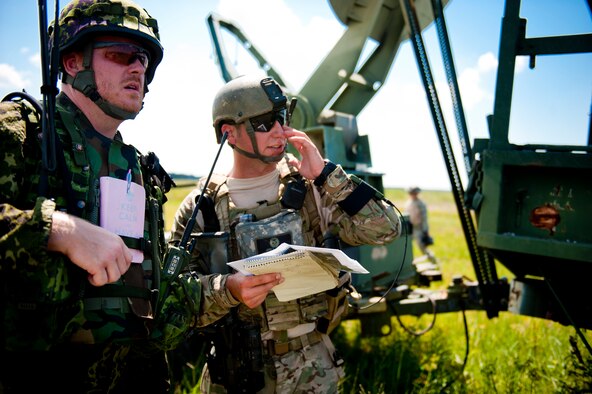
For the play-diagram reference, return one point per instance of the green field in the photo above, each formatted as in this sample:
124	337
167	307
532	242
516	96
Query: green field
507	354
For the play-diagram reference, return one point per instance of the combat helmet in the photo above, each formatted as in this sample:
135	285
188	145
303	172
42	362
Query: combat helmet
246	99
81	20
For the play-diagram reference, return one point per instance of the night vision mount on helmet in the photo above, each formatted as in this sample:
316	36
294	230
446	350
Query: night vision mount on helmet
81	20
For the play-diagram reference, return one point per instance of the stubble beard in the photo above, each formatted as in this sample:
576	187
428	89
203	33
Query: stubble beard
128	100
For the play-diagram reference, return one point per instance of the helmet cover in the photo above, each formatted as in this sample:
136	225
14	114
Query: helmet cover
81	20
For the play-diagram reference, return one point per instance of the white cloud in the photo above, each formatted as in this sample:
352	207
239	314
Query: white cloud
487	62
471	81
10	78
35	60
470	85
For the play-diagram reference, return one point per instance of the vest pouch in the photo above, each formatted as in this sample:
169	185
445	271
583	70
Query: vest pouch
281	315
284	315
337	305
255	237
213	248
313	306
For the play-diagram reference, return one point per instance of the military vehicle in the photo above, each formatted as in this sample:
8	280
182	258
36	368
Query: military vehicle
526	206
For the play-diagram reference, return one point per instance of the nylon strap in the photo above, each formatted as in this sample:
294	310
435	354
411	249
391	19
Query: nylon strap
77	183
111	290
357	199
136	243
77	139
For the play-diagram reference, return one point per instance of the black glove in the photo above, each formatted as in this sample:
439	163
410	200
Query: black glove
426	239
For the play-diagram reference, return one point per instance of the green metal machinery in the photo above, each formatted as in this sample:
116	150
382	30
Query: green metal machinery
529	207
533	202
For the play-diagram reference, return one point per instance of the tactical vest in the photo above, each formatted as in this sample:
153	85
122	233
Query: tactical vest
62	306
277	224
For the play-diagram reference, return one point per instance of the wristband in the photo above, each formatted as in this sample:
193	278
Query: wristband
322	178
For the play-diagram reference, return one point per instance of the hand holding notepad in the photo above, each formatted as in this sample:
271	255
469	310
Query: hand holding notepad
306	270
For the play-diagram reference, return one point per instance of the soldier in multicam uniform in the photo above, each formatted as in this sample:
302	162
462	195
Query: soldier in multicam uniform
77	314
270	197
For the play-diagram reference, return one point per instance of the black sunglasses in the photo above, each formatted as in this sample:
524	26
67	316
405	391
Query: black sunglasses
264	123
124	53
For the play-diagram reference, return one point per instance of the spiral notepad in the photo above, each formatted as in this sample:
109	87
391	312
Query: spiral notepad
306	270
303	266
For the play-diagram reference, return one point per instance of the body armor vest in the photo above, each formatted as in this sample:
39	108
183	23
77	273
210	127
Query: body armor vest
245	233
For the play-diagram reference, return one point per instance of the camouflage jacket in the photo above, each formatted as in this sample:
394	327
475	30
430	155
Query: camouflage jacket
46	299
376	223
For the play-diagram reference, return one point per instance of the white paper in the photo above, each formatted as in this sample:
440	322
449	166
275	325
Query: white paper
306	270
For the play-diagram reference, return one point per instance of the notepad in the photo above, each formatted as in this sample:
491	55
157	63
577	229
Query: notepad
122	210
306	270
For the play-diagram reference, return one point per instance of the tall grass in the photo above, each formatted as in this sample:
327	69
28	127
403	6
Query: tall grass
507	354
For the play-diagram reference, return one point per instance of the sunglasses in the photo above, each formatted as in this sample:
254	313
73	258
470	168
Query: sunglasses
124	53
264	123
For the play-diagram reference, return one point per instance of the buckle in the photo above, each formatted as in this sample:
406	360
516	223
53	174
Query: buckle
280	348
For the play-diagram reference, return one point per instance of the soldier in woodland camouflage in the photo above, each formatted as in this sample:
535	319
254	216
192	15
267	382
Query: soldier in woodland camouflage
269	197
77	314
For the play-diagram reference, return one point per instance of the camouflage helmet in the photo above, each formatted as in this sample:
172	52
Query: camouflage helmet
245	97
82	19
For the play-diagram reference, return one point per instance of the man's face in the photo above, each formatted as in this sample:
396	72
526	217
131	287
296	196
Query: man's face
271	143
120	66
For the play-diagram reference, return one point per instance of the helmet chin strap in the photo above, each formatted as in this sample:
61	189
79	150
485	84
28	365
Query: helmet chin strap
256	154
84	82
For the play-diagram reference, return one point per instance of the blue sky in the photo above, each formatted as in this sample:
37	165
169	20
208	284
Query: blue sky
551	104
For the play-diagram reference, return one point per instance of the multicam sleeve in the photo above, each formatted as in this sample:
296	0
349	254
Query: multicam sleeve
376	223
216	300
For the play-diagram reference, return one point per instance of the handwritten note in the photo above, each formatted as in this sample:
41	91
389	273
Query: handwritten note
306	270
122	209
